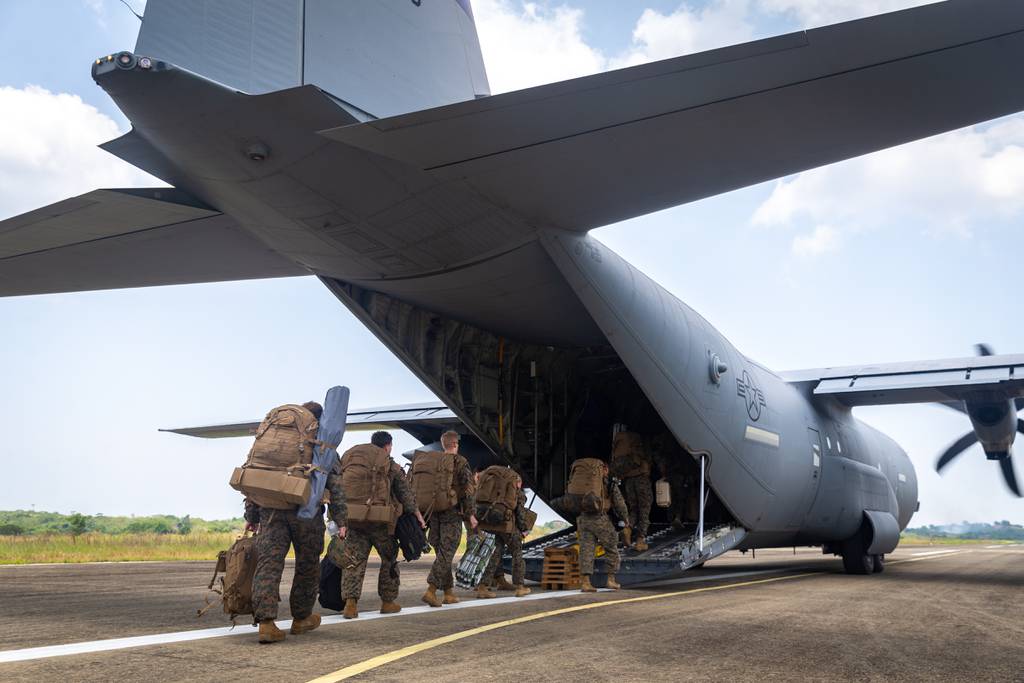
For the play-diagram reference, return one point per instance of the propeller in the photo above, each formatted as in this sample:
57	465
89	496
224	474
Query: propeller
971	438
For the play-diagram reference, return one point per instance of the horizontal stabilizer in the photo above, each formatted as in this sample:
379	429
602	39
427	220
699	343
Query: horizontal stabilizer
595	150
939	381
410	416
108	239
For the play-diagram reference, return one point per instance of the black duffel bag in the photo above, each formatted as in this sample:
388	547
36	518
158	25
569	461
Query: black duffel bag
330	585
412	538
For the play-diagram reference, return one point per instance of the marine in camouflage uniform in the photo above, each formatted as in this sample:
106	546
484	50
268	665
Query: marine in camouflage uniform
639	498
512	543
445	528
280	529
359	540
596	527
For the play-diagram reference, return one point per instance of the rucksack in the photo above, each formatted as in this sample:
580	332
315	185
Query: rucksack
412	540
496	499
238	564
629	459
433	481
366	479
276	472
587	485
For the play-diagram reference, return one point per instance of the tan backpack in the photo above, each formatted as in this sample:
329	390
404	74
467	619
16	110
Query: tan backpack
366	479
587	485
238	564
496	499
629	459
276	473
433	481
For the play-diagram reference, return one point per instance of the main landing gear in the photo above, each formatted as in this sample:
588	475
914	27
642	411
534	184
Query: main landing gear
856	559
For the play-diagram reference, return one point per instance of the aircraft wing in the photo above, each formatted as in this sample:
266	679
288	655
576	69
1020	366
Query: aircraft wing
417	419
940	381
591	151
109	239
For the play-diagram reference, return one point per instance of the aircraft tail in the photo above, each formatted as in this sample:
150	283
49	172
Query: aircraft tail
379	57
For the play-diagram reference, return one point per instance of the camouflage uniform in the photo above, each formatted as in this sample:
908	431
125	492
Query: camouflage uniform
357	545
639	499
513	543
445	528
597	528
278	530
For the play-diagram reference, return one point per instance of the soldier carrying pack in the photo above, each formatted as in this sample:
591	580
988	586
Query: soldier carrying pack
276	473
629	459
586	489
496	497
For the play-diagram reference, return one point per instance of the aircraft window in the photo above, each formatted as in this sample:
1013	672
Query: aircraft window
828	440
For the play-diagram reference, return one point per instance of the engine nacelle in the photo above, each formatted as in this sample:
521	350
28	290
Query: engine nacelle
995	424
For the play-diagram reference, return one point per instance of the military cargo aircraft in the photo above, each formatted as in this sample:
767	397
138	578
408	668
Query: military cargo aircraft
358	142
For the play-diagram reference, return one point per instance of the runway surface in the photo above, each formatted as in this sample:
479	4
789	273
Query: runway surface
935	613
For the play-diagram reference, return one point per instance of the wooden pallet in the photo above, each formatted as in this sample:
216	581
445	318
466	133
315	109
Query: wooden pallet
561	569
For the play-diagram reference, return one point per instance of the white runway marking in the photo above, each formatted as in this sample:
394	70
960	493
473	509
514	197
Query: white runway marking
934	552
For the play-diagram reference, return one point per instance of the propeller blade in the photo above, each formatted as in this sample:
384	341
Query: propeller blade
961	445
984	350
1006	465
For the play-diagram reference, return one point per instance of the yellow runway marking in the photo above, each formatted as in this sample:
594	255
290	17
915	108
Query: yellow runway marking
387	658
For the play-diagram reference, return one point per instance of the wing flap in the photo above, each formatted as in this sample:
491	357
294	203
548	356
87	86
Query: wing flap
129	238
595	150
925	382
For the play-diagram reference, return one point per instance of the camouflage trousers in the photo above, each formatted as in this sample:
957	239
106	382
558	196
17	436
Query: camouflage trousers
278	530
513	543
444	534
356	552
594	529
639	499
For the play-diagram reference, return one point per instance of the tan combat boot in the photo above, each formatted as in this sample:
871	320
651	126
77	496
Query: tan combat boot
449	597
305	625
522	591
586	586
483	591
612	583
641	545
269	632
388	607
503	584
430	597
351	611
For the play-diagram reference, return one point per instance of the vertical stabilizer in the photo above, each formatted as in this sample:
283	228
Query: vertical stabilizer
382	57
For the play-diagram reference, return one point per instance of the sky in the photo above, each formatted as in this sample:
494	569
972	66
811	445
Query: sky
910	253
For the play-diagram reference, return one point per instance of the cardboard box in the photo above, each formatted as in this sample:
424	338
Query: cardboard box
266	487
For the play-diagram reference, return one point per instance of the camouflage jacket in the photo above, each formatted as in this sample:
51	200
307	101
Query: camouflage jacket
465	484
618	502
400	489
521	510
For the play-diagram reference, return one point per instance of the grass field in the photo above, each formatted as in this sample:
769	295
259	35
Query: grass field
97	547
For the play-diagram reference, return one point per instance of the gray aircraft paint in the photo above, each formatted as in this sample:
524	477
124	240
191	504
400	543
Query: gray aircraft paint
465	224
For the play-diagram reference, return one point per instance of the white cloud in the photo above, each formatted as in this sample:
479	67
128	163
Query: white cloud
947	183
527	44
823	12
48	150
823	240
688	30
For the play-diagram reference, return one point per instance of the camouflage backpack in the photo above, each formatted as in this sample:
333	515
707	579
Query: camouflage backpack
586	486
433	481
366	472
496	498
276	473
238	564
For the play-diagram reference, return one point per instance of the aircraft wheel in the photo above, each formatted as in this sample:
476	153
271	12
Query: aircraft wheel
879	563
855	558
